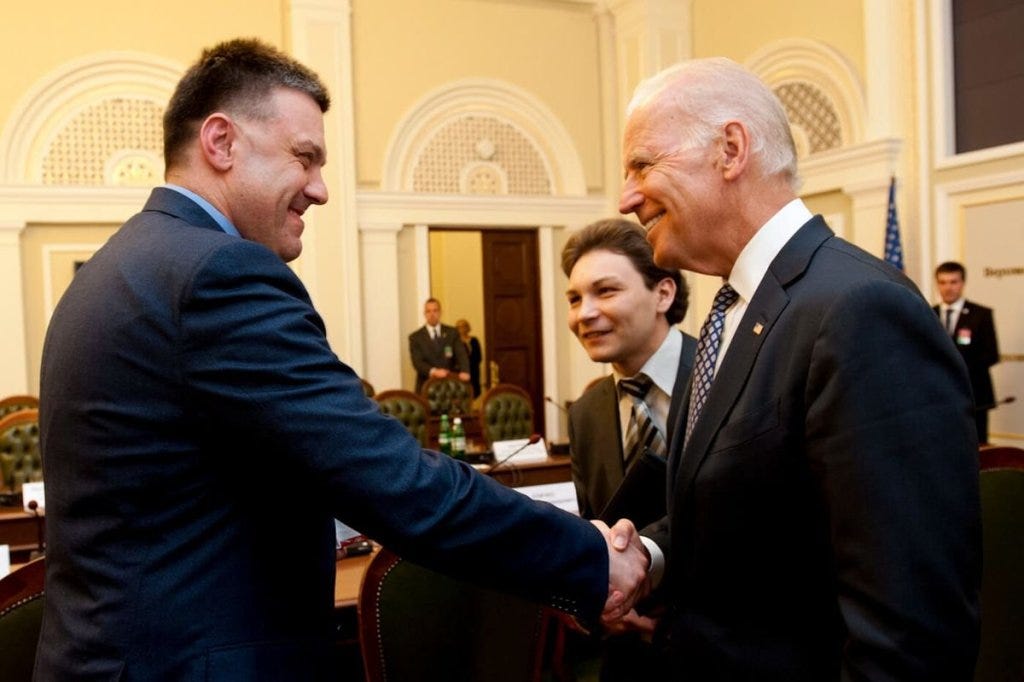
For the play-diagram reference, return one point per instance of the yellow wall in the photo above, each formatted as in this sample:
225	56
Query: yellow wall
404	49
738	28
34	41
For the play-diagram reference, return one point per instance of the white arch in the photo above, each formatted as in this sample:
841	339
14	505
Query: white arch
489	98
795	60
54	101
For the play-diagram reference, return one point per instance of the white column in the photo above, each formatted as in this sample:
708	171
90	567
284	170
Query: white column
548	316
13	352
321	38
650	35
869	205
382	325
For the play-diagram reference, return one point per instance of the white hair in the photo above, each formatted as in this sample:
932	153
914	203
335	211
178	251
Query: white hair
710	92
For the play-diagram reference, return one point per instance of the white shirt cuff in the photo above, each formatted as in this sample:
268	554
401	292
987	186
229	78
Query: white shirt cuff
657	568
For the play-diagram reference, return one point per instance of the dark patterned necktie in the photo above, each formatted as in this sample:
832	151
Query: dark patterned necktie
642	433
707	352
950	328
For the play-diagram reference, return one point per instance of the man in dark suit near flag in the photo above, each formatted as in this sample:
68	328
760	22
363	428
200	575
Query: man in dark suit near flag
973	330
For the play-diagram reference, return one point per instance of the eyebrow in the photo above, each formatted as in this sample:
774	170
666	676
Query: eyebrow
607	279
308	147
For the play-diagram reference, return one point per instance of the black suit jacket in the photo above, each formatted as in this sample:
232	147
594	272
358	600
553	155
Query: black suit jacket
426	353
198	436
975	338
595	437
823	519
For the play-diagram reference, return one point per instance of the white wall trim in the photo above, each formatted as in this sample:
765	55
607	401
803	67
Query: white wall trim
50	104
803	60
869	162
952	197
491	98
480	211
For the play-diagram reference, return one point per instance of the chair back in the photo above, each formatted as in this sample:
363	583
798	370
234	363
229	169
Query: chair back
20	460
1001	655
507	413
418	626
21	619
449	395
408	408
367	387
14	403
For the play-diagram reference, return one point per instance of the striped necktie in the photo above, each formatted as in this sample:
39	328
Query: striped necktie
707	352
642	433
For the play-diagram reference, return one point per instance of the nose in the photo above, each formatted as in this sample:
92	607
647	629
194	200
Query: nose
316	188
631	198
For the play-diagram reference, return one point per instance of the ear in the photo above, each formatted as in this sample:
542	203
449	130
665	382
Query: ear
666	290
735	149
216	141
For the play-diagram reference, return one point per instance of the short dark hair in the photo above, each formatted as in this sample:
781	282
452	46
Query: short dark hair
432	300
949	267
628	239
236	75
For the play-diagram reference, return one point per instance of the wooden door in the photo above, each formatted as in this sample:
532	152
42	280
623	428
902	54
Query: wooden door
513	323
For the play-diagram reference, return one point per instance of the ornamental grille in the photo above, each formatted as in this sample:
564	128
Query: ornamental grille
811	110
441	166
131	129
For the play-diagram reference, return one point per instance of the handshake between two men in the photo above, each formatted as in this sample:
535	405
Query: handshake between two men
628	577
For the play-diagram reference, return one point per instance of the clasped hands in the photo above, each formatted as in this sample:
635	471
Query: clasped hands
628	561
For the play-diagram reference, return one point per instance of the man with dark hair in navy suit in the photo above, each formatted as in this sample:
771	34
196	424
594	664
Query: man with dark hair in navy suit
186	377
973	330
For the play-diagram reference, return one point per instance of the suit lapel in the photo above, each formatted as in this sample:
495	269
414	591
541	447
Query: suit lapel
754	329
681	389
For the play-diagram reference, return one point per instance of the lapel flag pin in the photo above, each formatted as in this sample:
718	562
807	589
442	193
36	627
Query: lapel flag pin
758	328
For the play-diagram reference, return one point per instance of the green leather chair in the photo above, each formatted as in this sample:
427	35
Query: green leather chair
367	388
418	626
20	460
21	618
507	413
408	408
14	403
449	395
1001	656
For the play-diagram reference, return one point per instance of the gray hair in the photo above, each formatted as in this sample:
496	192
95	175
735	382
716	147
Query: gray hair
710	92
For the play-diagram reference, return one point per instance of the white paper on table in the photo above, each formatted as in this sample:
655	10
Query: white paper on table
5	560
562	495
528	452
33	491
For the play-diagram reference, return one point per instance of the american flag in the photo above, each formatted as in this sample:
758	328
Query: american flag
893	246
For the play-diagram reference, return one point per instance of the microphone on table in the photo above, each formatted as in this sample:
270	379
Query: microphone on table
551	400
532	440
991	406
33	507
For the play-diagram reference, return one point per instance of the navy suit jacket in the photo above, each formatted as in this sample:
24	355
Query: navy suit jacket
595	436
199	435
823	520
978	347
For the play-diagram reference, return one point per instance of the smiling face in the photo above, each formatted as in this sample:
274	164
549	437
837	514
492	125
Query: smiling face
675	192
613	313
276	174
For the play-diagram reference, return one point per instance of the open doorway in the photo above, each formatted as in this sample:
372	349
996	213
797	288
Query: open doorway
490	277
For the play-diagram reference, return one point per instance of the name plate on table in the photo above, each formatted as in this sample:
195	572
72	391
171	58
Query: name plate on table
519	451
33	491
562	495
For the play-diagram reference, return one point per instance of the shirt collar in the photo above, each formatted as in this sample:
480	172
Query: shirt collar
218	217
764	246
956	306
663	365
